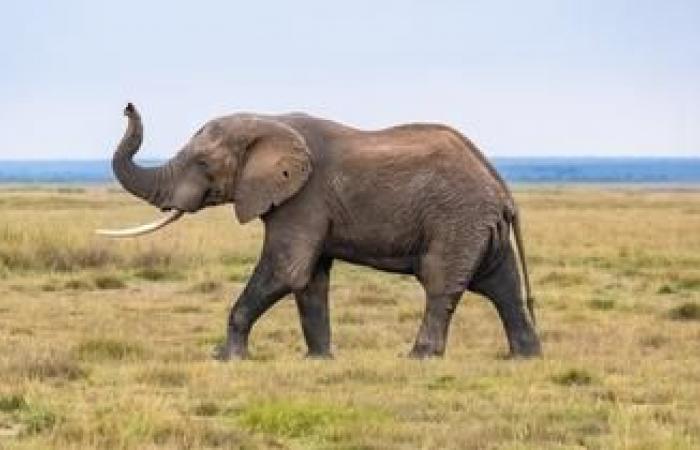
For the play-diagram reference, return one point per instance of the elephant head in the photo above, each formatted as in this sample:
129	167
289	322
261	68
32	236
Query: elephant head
253	161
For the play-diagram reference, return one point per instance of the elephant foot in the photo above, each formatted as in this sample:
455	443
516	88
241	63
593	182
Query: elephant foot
524	347
424	351
325	355
227	353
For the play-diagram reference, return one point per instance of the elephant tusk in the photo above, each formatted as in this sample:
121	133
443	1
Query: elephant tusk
142	229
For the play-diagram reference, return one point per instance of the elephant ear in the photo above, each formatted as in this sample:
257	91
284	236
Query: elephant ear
276	166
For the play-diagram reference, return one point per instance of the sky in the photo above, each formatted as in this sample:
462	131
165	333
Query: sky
535	78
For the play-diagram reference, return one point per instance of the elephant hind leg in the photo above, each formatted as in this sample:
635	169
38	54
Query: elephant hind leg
500	282
444	284
432	335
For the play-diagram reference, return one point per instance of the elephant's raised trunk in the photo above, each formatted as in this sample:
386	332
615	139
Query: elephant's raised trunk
144	182
148	183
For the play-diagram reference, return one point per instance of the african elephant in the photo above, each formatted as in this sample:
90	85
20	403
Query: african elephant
416	199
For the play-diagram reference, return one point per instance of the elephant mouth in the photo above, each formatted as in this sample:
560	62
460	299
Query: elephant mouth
171	217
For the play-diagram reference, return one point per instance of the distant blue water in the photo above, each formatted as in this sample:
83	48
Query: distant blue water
518	170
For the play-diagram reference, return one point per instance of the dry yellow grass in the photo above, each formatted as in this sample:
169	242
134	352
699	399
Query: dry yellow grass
105	344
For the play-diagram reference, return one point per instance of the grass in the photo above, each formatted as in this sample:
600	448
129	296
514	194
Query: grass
686	311
299	419
108	349
106	344
573	377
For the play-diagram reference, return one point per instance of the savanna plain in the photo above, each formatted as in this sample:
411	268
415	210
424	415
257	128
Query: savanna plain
106	344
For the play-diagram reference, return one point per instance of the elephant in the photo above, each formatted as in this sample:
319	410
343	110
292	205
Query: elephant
418	199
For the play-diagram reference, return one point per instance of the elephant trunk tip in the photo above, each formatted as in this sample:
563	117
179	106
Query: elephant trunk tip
130	111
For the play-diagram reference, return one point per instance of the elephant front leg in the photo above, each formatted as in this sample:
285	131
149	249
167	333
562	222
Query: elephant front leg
263	290
312	303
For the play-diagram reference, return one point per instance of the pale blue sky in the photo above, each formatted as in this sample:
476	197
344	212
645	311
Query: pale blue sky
521	78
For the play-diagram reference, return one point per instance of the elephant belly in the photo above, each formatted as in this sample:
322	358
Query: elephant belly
390	248
390	263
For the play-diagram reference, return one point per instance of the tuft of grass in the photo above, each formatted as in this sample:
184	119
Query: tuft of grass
602	304
349	317
77	285
573	377
152	257
36	418
49	286
107	282
109	350
205	287
156	274
32	418
287	419
686	311
207	409
665	289
12	402
690	284
443	382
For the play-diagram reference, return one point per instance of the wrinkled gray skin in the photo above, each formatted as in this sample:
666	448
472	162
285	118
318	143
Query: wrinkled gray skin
414	199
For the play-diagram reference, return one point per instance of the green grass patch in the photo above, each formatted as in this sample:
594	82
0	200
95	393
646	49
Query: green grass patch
30	418
288	419
37	418
691	284
12	402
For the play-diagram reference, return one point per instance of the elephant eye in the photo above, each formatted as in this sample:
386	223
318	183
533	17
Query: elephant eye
202	164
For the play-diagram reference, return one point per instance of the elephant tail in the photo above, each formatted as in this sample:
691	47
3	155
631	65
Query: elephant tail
529	298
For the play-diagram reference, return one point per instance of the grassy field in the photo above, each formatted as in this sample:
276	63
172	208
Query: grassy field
106	344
